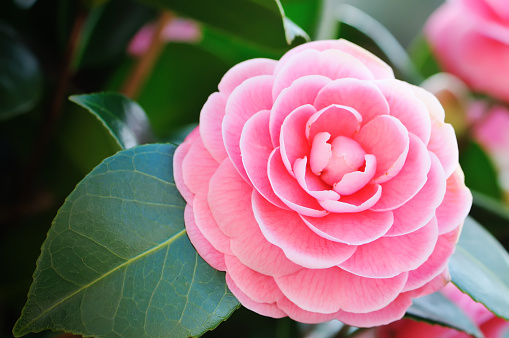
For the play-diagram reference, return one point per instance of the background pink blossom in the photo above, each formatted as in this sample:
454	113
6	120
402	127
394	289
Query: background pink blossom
324	187
471	40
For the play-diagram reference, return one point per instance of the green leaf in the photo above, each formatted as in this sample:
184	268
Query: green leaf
480	173
493	213
21	79
260	21
117	261
124	118
480	268
438	309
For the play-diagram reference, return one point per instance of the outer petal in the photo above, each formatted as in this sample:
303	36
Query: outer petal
265	309
211	119
252	96
390	256
456	205
354	229
255	148
178	158
436	263
407	108
286	230
434	107
362	96
409	180
443	144
386	138
201	244
288	189
418	211
377	67
243	71
331	63
207	224
198	167
392	312
230	202
260	288
302	316
302	92
334	289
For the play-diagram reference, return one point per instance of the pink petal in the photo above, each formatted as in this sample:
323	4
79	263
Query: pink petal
392	312
260	288
354	181
334	289
228	194
331	63
407	108
206	251
178	158
379	68
265	309
362	200
336	120
243	71
230	202
288	189
252	96
419	210
302	91
211	119
434	107
390	256
362	96
354	229
198	167
300	315
409	180
321	153
432	286
286	230
208	226
435	264
311	183
456	204
443	144
255	148
386	138
293	142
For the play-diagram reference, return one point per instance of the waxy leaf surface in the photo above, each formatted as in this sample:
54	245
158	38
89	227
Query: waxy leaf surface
117	261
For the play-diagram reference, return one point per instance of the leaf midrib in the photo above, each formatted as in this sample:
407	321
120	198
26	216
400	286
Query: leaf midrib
127	262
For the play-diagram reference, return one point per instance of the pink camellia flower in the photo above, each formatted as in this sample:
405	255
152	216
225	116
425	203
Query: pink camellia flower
489	324
471	40
325	188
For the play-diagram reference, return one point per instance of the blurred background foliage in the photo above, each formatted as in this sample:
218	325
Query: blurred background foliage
55	48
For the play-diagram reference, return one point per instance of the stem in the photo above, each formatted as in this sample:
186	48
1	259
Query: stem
145	64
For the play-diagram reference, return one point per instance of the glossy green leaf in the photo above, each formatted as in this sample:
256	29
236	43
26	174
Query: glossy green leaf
21	79
480	268
117	261
438	309
493	213
260	21
124	118
480	173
